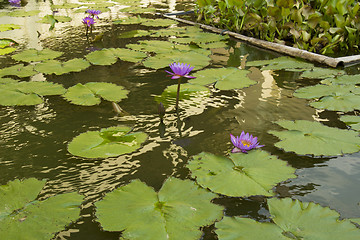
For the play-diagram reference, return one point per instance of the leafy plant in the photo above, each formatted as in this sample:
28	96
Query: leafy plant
33	55
59	68
22	216
177	211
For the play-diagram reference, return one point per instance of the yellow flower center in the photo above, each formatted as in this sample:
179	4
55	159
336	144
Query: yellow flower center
245	143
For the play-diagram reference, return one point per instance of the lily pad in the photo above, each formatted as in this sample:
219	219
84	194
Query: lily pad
292	219
187	91
281	63
5	42
167	32
352	121
24	217
162	60
27	93
344	79
137	10
176	212
321	73
306	137
224	78
23	13
159	22
344	103
8	27
135	33
130	20
91	93
59	68
4	51
200	37
50	19
18	70
102	57
108	142
240	175
33	55
320	90
128	54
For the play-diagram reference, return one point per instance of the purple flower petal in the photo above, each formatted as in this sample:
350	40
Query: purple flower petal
180	70
244	143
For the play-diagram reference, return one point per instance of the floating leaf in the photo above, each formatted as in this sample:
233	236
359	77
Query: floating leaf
352	121
344	79
344	103
7	80
130	20
4	51
281	63
18	70
102	57
136	9
108	142
27	93
90	93
320	90
240	175
167	32
23	217
134	33
159	22
195	59
5	42
33	55
187	91
176	212
292	219
128	54
65	6
306	137
59	68
23	13
200	37
322	73
224	78
8	27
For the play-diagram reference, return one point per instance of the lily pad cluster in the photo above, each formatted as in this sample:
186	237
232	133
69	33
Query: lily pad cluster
23	216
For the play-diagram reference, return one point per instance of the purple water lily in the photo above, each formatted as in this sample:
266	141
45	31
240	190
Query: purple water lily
88	21
180	70
15	3
244	143
93	13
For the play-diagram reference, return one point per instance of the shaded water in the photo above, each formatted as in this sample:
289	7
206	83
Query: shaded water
33	140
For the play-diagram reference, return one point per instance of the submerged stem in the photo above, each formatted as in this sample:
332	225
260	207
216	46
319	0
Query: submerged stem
178	93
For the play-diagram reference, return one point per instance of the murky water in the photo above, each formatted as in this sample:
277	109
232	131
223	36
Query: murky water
33	140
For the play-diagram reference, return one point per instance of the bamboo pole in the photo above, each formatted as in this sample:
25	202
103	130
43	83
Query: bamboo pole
291	51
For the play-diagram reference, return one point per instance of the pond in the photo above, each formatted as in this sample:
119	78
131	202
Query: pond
35	139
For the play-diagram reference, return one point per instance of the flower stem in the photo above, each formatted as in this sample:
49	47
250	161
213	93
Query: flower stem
178	93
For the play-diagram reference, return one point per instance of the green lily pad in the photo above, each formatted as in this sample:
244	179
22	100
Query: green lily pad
5	42
23	13
176	212
23	217
159	22
59	68
292	219
306	137
128	54
50	19
65	6
138	10
102	57
27	93
8	27
4	51
130	20
135	33
352	121
162	60
7	80
320	90
224	78
281	63
211	45
91	93
33	55
322	73
200	37
108	142
240	175
344	79
344	103
18	70
187	91
167	32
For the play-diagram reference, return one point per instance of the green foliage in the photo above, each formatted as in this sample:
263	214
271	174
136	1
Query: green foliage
90	94
33	55
24	217
352	121
319	26
240	175
8	27
108	142
18	70
59	68
176	212
301	137
291	219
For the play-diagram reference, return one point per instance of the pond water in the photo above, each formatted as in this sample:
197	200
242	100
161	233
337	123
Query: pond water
33	140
